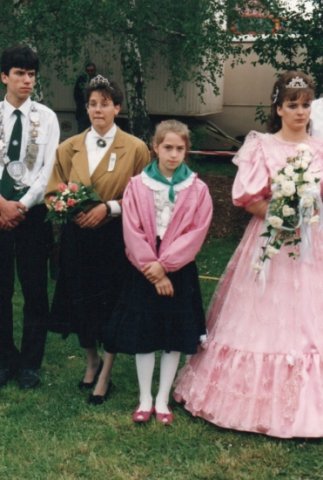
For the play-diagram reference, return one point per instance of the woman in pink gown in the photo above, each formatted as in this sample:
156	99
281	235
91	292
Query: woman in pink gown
263	368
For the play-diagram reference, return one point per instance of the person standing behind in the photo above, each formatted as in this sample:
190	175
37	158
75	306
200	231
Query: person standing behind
79	93
167	211
29	135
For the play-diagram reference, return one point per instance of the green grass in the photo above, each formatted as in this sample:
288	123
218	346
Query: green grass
52	434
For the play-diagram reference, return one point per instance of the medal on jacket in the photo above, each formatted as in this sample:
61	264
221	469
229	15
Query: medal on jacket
112	162
17	171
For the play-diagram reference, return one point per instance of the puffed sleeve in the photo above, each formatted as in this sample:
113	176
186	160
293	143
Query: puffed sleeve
190	232
139	249
251	183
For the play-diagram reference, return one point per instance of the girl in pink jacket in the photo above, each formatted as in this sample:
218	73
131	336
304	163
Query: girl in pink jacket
167	211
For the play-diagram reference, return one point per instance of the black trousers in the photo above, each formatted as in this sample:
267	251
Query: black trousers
25	250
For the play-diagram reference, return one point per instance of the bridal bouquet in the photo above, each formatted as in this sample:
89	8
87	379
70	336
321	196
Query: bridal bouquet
294	206
68	200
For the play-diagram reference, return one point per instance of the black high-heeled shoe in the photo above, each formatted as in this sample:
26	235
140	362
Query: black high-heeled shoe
99	399
87	385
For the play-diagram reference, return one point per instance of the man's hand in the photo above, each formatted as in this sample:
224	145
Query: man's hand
165	287
93	218
11	213
153	272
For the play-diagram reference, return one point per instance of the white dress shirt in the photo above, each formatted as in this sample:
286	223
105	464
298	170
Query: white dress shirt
95	153
47	140
163	206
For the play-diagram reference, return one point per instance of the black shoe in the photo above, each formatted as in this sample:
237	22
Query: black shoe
5	375
28	378
88	385
99	399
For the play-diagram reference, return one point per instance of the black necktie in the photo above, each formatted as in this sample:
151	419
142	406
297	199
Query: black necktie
7	182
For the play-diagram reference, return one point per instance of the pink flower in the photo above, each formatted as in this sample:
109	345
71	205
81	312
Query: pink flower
61	187
73	187
60	206
71	202
52	199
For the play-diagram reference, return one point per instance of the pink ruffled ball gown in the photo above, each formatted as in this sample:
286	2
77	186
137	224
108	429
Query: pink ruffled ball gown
262	370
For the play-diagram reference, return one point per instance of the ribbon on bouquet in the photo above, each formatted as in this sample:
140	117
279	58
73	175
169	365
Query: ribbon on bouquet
305	216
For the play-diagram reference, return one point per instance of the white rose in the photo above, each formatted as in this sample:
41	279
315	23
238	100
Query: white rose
307	201
288	188
271	251
257	267
308	177
304	163
288	211
275	221
301	190
279	178
303	147
290	360
277	194
297	163
289	170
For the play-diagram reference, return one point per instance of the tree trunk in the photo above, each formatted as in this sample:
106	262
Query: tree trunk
132	71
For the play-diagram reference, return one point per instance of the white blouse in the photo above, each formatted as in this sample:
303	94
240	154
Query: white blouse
163	206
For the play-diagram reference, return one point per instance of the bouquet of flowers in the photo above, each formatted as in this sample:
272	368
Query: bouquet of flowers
70	199
294	206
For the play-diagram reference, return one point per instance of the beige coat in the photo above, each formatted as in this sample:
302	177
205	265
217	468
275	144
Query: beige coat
71	164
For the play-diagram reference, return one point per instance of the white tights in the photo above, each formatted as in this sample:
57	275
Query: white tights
145	363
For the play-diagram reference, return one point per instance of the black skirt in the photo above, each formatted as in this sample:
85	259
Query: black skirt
144	321
92	268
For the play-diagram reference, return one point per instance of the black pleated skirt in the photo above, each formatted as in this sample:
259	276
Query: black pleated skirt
144	321
92	269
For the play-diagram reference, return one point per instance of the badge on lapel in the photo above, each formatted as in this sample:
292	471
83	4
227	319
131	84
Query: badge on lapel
112	162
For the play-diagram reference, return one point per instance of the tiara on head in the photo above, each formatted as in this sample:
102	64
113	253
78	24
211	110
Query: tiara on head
99	80
297	82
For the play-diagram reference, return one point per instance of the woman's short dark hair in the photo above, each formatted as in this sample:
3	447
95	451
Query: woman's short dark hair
109	89
291	85
19	56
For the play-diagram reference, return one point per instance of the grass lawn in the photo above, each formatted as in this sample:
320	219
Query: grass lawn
52	434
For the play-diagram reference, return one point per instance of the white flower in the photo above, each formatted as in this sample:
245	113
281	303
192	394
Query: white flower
289	170
302	189
279	178
308	177
271	251
257	267
290	360
288	211
304	163
277	194
307	201
288	188
1	144
297	163
302	147
275	221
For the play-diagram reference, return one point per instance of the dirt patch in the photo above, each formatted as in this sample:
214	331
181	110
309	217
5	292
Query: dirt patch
228	220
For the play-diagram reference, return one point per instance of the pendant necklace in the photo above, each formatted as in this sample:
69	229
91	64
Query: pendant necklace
101	142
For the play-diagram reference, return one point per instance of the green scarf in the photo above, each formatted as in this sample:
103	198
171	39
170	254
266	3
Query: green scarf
180	174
